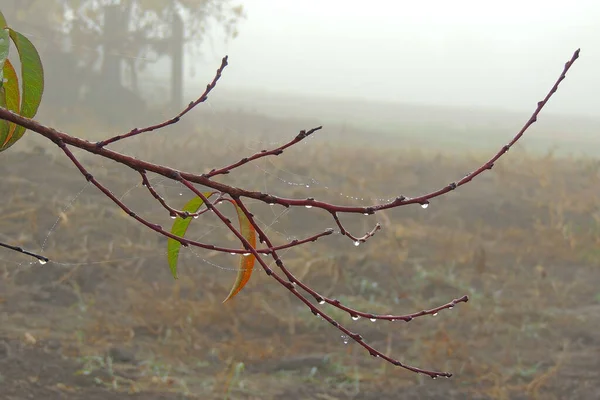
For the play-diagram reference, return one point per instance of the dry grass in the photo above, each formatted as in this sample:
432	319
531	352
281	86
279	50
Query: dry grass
523	242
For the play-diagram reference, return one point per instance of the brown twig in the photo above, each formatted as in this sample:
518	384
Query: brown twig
201	99
40	258
172	211
157	228
264	153
357	240
293	283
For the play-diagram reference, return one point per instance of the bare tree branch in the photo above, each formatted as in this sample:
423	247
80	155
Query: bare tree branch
283	276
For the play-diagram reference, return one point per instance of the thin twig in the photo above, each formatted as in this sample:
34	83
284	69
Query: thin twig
57	136
157	228
356	240
294	282
201	99
40	258
264	153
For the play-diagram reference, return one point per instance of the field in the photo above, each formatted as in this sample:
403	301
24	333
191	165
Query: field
105	320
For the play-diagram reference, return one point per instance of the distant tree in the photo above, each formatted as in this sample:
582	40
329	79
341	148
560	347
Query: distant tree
127	33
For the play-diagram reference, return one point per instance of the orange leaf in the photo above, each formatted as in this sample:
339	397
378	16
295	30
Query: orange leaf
246	260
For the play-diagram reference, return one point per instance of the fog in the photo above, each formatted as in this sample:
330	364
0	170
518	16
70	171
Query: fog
502	55
412	96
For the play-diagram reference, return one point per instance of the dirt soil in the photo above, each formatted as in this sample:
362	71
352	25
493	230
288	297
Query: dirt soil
105	320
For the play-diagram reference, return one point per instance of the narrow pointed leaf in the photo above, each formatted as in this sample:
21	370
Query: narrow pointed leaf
246	261
11	87
179	228
4	47
32	80
11	98
2	21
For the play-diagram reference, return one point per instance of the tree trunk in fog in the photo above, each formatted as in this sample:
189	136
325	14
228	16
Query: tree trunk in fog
116	19
177	62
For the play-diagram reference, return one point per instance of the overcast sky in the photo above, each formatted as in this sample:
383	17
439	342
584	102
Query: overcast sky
462	52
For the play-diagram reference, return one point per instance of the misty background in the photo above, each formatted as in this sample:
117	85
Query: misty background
456	75
464	53
412	96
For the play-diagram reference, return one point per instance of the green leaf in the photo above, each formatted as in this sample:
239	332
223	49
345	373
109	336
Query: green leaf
246	261
11	88
10	98
179	228
2	21
32	80
4	47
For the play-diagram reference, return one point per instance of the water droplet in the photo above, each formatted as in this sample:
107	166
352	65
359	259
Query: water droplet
144	184
392	320
173	216
233	254
366	214
424	205
345	339
372	319
196	216
450	308
42	261
271	204
307	206
321	302
355	317
434	314
433	377
357	243
307	186
181	194
246	254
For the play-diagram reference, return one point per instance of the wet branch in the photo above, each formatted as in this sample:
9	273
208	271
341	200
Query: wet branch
281	274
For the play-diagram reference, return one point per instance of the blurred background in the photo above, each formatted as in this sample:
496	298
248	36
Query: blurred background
412	97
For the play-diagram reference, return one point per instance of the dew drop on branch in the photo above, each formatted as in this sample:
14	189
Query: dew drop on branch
424	205
42	262
434	314
321	302
372	319
345	339
357	243
355	317
308	206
